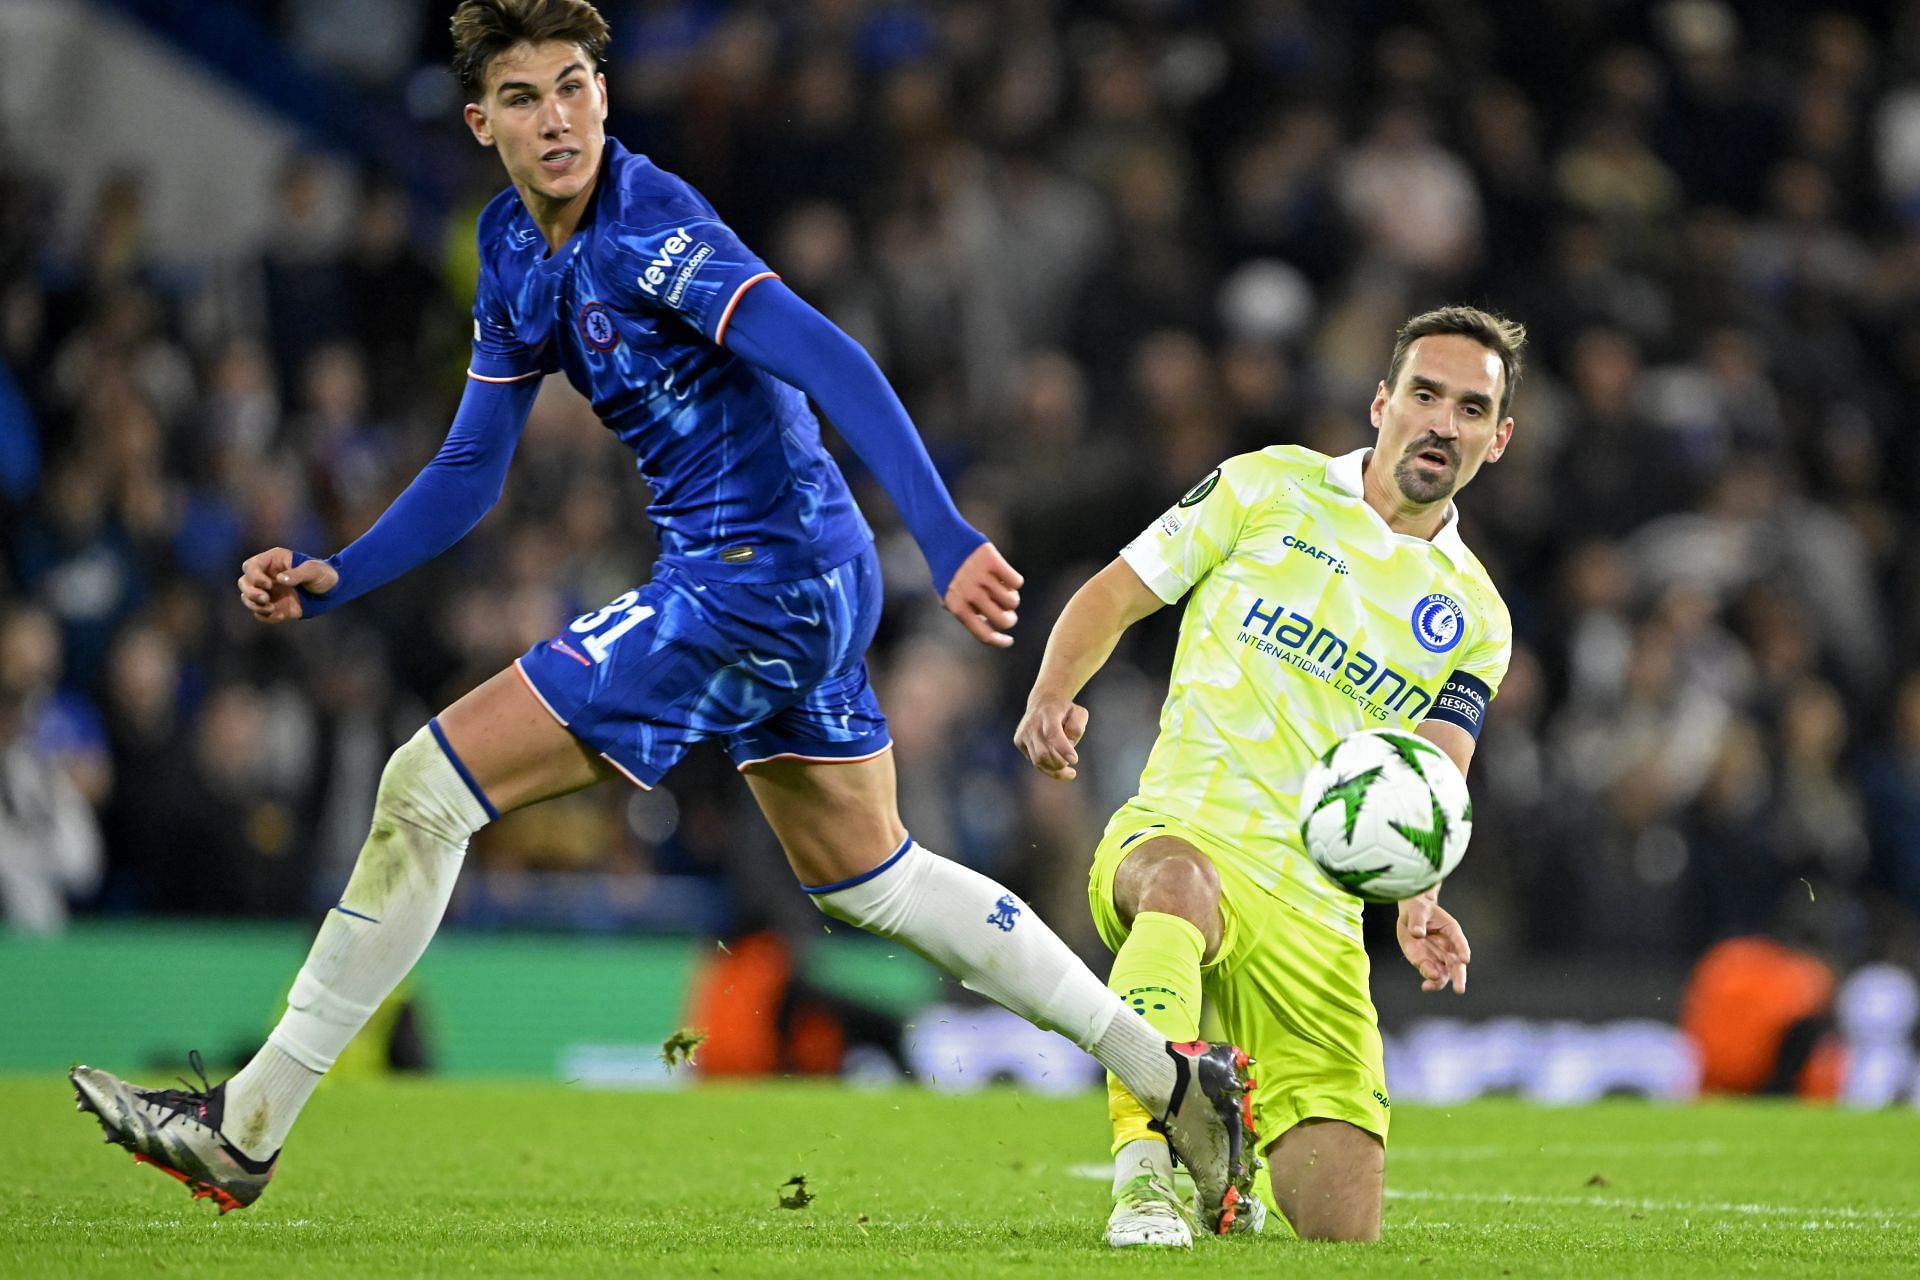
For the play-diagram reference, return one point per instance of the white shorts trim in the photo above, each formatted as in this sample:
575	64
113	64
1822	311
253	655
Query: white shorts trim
624	773
538	696
744	765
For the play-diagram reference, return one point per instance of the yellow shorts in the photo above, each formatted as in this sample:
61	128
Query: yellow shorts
1290	990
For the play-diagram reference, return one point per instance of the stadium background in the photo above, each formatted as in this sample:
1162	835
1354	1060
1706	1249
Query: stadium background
1097	247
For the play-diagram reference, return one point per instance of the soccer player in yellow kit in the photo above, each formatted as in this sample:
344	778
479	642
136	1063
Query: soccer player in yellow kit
1324	595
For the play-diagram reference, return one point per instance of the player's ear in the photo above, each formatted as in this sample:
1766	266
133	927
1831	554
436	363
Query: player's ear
476	118
1379	404
600	79
1500	438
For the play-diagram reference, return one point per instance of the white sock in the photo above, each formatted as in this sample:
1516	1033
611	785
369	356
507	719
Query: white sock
387	914
1132	1049
979	932
263	1100
1142	1155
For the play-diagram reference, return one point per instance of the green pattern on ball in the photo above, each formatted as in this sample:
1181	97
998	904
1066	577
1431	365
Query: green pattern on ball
1356	879
1351	792
1430	841
1409	749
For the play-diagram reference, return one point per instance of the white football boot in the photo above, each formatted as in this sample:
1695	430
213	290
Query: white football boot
1146	1212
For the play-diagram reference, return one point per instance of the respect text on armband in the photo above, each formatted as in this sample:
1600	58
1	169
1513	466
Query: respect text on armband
1461	701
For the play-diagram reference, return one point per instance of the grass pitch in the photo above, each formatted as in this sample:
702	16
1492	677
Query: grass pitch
431	1179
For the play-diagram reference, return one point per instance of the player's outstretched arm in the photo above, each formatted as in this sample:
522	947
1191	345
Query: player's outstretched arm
444	502
774	329
1082	641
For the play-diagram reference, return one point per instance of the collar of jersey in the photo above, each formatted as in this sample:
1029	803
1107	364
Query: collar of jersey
1343	473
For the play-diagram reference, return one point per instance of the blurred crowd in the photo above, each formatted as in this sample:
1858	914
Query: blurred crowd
1098	247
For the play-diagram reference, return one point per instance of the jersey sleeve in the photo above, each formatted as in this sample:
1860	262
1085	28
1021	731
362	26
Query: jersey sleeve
692	266
1195	534
1492	647
498	353
1475	679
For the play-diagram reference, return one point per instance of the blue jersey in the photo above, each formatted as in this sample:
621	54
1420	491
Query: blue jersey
634	308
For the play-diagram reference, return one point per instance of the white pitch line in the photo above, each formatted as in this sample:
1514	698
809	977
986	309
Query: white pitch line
1811	1215
1738	1208
1468	1155
1560	1150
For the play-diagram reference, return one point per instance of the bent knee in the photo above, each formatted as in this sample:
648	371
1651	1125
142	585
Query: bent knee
422	789
1341	1210
1176	879
1329	1178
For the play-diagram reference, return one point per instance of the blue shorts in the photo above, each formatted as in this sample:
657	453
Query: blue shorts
777	670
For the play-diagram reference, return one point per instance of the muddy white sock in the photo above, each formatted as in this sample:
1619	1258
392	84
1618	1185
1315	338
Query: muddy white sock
422	819
975	929
1142	1155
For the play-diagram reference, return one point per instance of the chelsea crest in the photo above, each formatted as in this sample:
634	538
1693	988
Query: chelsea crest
597	327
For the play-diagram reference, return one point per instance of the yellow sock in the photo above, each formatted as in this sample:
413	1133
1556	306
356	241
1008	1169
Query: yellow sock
1157	972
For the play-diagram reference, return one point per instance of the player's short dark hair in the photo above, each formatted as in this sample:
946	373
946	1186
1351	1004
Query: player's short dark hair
1505	338
485	29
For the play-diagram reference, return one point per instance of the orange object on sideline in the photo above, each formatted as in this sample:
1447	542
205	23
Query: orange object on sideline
736	1000
755	1024
1745	999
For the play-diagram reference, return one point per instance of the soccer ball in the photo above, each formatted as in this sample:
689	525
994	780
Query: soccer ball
1385	815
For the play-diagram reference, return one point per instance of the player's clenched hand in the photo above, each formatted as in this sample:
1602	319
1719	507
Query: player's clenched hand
1434	943
269	582
1049	734
984	593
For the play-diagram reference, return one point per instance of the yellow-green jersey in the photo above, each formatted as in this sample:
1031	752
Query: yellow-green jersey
1307	619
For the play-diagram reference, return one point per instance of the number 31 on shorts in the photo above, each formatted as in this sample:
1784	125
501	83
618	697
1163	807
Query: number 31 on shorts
599	646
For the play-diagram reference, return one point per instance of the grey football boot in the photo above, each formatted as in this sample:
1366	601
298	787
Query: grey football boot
177	1131
1209	1125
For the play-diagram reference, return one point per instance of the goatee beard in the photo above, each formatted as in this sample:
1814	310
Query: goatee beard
1421	486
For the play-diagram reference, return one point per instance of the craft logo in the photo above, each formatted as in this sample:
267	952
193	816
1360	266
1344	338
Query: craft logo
597	327
1294	542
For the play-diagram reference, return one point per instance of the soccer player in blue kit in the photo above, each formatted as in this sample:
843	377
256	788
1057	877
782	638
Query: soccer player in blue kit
753	629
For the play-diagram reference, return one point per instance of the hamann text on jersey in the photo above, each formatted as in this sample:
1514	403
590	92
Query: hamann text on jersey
634	308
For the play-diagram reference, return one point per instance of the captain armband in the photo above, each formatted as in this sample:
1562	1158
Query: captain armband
1463	701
